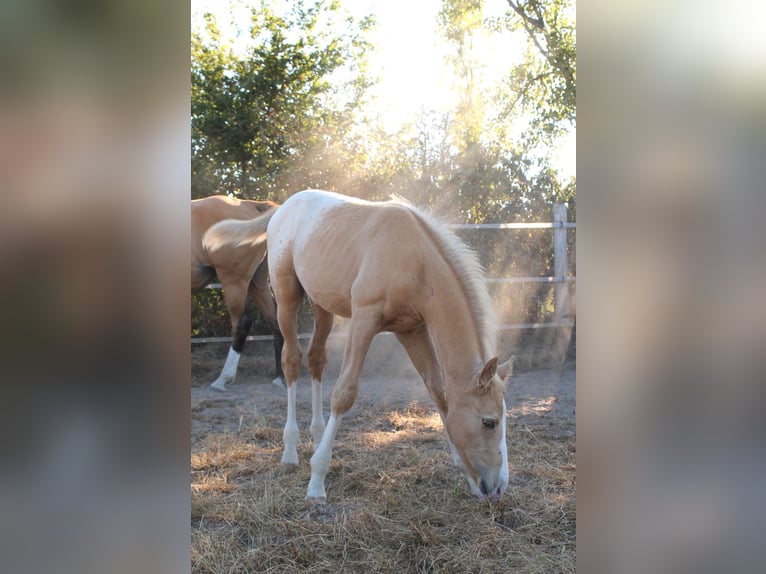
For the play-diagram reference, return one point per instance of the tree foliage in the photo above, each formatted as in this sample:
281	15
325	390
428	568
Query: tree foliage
499	171
257	118
545	84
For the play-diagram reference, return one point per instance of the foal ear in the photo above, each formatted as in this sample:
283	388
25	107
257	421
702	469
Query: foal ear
504	370
484	378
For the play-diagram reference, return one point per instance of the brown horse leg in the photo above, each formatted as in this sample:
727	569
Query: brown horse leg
317	360
365	324
235	296
289	296
260	293
201	276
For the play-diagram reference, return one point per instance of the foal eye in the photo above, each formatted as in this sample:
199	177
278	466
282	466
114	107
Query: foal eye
489	423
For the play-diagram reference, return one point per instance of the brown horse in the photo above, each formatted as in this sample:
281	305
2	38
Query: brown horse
241	271
389	267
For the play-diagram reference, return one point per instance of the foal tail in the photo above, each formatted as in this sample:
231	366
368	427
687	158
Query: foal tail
236	232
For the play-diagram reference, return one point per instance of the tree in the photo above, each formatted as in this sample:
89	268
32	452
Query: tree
460	21
513	128
545	86
260	117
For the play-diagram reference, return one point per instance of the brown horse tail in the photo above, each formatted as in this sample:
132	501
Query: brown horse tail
236	232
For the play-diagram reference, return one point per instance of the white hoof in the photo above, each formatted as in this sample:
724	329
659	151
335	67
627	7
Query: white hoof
316	490
290	457
278	382
219	386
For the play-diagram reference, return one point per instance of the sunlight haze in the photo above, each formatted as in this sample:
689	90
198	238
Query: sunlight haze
409	59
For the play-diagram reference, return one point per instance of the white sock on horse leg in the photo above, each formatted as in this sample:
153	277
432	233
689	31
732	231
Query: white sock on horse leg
504	450
229	371
320	462
455	456
317	416
291	434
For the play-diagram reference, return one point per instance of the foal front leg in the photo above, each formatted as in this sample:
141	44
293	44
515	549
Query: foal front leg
365	324
421	351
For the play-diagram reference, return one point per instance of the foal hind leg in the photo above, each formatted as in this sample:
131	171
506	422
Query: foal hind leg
317	360
365	324
260	292
289	295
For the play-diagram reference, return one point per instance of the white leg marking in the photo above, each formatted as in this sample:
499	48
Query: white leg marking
455	456
320	462
475	490
503	478
317	416
228	372
291	434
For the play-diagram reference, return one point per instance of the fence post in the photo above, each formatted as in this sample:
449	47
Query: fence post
560	265
563	335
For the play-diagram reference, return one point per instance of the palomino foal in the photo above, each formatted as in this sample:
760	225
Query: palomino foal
242	271
389	267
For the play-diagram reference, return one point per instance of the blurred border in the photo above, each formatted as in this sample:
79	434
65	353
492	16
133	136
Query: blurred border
670	275
94	220
94	177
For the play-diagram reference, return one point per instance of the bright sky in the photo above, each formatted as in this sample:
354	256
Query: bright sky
410	57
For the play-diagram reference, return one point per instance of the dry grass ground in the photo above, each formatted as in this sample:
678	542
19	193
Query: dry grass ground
395	501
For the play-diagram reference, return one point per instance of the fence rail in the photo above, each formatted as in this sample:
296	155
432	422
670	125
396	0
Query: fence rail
538	225
335	335
560	266
489	280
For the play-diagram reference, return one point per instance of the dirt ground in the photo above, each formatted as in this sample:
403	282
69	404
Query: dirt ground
395	501
388	381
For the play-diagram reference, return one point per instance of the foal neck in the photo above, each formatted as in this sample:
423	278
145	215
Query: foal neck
453	329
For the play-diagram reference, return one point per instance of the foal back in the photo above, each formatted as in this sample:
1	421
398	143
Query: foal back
348	253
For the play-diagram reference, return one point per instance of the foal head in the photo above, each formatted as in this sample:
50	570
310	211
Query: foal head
476	426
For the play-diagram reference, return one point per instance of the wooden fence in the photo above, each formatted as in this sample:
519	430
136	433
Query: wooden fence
563	314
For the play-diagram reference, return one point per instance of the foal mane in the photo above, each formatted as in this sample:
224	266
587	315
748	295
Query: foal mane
470	274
